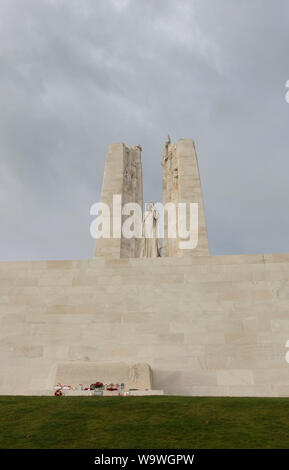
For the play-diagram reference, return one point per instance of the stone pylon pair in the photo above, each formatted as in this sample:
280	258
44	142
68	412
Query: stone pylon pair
181	184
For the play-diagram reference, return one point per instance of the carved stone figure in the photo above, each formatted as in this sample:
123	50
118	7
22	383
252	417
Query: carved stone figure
151	247
166	152
175	177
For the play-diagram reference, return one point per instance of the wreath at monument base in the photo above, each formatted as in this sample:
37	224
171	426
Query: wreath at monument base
96	385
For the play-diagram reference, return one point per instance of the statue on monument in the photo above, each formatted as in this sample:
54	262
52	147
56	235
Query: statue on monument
166	153
151	247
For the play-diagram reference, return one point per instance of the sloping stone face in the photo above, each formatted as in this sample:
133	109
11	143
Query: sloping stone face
206	325
182	184
123	177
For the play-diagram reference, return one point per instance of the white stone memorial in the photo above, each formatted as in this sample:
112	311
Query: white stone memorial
205	325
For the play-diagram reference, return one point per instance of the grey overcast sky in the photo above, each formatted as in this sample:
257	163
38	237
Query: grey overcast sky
76	75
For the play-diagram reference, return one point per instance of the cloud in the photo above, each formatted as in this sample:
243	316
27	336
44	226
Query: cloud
77	75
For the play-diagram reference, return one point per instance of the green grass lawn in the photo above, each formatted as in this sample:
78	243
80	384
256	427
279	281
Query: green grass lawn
143	422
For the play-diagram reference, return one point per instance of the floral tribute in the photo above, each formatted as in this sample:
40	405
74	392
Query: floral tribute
96	385
99	386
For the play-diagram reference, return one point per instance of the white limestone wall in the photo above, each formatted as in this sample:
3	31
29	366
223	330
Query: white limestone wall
182	184
206	325
122	177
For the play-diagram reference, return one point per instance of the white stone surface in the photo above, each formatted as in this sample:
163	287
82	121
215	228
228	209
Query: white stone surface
137	376
206	325
122	176
181	184
213	325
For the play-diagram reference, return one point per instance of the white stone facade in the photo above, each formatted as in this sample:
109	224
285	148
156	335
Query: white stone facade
206	325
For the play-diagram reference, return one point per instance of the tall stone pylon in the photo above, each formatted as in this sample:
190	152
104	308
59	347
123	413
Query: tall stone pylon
181	184
122	177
